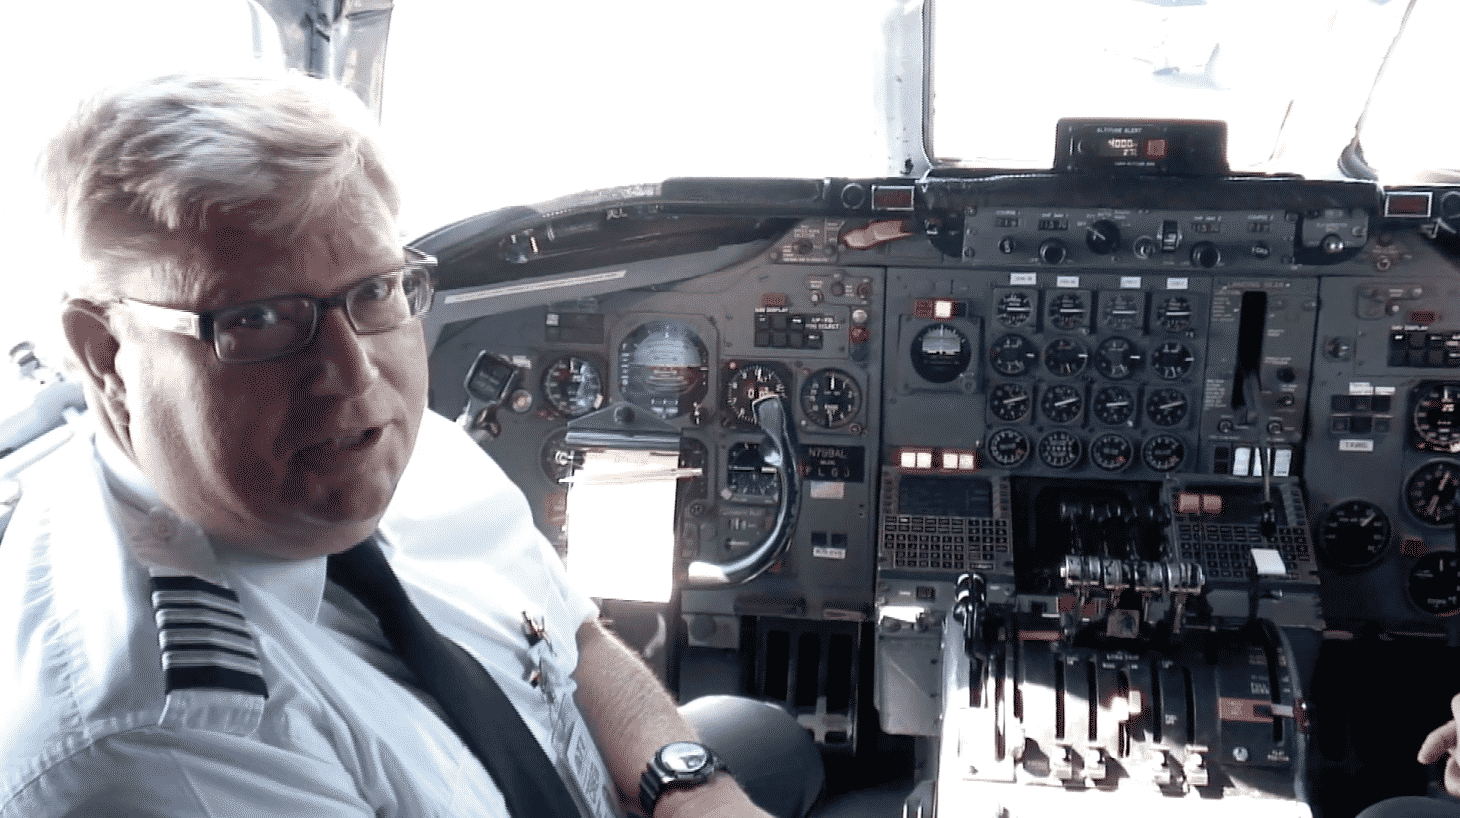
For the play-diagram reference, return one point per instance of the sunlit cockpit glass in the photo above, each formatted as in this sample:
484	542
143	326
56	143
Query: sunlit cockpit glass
1291	78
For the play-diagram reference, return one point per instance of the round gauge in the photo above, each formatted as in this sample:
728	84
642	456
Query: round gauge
1436	416
1012	355
1065	357
940	353
1354	534
557	459
830	398
1166	407
1112	452
1060	450
749	383
746	474
1117	358
573	386
1120	311
1174	314
1014	308
1008	447
662	368
1062	403
1430	492
1009	402
1171	360
1434	583
1066	311
1113	405
1163	452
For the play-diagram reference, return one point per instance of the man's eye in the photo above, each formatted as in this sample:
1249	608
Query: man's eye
376	289
253	316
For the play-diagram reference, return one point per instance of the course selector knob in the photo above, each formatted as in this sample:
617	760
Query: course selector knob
1205	254
1053	251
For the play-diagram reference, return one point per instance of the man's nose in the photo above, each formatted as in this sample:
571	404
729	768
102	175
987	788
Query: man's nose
346	359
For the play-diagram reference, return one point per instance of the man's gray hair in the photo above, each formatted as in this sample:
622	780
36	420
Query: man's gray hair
142	174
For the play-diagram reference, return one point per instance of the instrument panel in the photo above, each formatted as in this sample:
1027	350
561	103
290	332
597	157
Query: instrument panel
1252	332
1076	422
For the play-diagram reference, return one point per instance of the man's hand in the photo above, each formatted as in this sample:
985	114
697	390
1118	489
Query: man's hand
632	716
1441	742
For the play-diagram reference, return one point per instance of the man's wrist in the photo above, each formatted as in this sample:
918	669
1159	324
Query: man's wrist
719	796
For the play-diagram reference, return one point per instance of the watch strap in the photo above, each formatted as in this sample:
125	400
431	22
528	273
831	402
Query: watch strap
656	780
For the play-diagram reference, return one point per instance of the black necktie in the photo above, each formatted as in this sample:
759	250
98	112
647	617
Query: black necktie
476	708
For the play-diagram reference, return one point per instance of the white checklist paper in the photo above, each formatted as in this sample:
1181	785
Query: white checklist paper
621	524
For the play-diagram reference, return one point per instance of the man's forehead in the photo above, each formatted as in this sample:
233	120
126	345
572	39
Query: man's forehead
241	264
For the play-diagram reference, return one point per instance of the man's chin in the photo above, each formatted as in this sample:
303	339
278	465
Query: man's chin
333	517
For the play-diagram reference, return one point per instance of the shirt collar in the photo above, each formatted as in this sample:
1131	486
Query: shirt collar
298	584
126	481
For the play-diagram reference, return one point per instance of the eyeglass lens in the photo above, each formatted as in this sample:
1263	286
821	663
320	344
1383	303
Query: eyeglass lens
275	327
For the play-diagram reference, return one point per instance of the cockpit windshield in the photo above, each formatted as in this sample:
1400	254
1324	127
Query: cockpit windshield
1291	78
497	104
500	105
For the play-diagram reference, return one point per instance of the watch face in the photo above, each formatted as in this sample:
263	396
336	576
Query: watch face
684	757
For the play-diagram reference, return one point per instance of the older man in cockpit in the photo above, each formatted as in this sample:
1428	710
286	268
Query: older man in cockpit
272	582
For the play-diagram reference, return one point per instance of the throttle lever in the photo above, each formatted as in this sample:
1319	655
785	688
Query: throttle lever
970	607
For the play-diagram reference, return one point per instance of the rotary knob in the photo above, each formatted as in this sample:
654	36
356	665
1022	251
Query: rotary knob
1053	251
1102	237
1205	254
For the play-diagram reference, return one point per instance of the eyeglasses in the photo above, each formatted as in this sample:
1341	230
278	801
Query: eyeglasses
275	327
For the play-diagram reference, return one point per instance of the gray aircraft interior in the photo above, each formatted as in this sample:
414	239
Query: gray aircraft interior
1139	482
1127	482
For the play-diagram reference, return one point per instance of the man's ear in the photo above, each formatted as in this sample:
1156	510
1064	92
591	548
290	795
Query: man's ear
95	346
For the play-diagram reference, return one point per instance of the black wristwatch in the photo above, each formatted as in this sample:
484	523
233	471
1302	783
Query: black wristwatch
680	764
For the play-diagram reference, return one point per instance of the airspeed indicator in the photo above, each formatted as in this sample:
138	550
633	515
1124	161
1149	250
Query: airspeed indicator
747	384
1436	418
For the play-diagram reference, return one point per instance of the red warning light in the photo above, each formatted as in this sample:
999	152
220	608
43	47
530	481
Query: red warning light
1155	148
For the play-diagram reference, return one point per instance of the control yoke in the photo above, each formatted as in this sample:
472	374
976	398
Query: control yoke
773	415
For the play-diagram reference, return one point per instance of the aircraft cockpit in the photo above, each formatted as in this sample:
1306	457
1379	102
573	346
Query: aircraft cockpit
1117	474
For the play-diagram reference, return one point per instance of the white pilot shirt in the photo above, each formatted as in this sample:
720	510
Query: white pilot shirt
90	727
